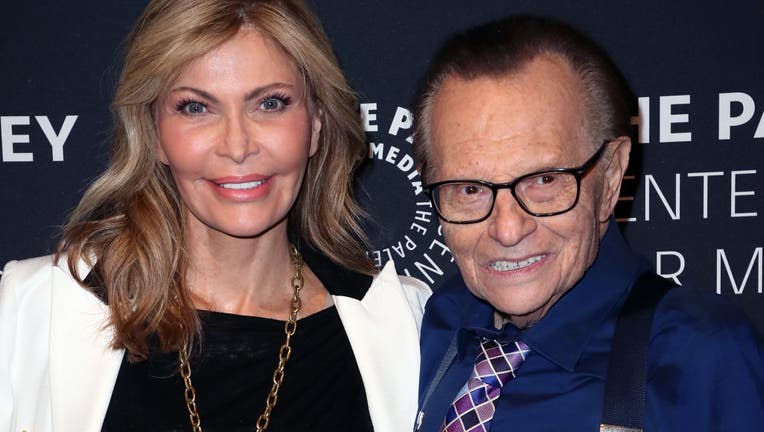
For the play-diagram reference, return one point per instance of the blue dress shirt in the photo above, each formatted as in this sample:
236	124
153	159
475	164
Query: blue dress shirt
705	361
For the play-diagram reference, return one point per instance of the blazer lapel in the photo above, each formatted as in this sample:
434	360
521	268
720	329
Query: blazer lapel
83	366
385	341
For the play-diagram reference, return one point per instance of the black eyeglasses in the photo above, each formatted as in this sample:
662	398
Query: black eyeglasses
541	193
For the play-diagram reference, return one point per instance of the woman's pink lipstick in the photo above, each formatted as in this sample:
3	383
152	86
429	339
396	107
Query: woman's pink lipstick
242	188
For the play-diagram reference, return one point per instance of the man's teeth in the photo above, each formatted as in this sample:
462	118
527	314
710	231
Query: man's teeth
247	185
514	265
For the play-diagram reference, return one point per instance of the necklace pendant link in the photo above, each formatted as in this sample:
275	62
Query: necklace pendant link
285	351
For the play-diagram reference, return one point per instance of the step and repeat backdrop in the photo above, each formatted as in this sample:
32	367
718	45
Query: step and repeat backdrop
692	202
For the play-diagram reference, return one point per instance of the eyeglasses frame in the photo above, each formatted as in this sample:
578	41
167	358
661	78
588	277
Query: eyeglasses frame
579	172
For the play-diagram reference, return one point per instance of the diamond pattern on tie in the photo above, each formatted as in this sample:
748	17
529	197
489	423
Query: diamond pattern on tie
473	408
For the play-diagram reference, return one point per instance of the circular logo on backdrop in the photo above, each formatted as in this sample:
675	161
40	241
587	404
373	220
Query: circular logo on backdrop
403	227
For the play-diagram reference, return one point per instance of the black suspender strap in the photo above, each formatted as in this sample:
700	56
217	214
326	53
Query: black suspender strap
448	358
624	404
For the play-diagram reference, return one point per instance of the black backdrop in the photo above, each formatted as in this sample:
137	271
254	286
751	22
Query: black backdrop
692	201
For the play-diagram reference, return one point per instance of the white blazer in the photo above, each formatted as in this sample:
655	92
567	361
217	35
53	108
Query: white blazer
57	370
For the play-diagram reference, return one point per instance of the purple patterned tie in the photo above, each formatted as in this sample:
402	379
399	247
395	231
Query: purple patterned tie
473	408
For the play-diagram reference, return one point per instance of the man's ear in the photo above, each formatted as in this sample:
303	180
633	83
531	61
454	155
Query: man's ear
614	172
315	130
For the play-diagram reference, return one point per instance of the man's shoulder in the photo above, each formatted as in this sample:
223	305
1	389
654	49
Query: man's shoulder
690	325
694	312
703	353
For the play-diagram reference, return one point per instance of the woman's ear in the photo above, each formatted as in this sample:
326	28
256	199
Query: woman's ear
315	130
161	156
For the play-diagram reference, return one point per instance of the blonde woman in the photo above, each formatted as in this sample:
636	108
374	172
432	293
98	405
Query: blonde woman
213	278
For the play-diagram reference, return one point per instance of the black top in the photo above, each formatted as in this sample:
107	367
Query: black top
322	389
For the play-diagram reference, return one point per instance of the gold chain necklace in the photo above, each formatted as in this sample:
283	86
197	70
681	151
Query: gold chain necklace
278	375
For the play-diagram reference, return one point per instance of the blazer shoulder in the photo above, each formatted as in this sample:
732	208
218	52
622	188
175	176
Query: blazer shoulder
25	277
34	278
26	267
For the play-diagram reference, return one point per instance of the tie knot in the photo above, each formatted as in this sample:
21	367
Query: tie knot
494	366
497	362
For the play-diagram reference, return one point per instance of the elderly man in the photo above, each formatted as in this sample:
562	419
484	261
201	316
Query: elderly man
523	139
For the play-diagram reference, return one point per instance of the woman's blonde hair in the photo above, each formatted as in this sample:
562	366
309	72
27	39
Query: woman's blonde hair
131	219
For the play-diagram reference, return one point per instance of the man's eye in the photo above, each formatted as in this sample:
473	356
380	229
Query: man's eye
471	189
545	179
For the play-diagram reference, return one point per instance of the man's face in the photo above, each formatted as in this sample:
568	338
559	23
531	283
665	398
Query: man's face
497	129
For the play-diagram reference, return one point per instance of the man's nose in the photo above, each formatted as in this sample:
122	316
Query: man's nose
509	224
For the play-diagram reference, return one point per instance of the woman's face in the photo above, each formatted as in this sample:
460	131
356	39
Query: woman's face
236	129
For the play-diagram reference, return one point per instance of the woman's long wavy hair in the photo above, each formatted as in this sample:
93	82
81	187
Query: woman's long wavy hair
131	219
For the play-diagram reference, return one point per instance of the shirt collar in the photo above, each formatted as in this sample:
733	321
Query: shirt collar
563	332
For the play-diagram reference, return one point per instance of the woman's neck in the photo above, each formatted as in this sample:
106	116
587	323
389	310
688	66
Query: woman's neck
248	276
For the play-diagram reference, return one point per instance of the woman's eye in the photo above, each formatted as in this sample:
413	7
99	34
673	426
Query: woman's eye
191	107
271	104
274	103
